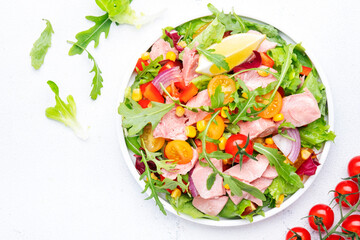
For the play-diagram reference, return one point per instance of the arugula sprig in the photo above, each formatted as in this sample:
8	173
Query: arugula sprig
283	132
217	59
148	73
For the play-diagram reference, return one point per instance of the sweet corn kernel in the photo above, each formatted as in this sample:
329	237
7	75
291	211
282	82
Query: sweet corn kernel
280	200
145	56
305	154
201	125
223	112
153	176
182	44
244	95
190	131
226	186
263	73
170	56
179	111
136	94
269	141
278	117
176	193
222	143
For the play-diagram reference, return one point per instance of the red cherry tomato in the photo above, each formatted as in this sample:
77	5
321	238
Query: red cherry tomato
238	139
354	167
335	237
302	232
139	65
170	64
323	211
352	224
347	187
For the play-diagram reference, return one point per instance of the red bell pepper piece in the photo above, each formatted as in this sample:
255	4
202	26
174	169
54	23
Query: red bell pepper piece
139	66
170	64
190	91
266	60
306	70
150	92
144	103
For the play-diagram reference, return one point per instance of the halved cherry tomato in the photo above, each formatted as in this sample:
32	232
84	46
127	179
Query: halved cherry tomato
179	151
323	211
151	93
266	60
354	167
152	144
216	128
200	29
352	224
347	187
302	232
138	66
305	70
210	147
170	64
228	86
273	108
144	103
240	140
190	91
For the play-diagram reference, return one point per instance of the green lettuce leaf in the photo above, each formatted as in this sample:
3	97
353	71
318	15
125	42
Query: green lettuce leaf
41	46
280	186
232	211
315	134
188	29
113	7
201	82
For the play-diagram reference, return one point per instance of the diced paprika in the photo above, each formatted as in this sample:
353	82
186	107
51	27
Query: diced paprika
151	93
190	91
305	70
266	60
139	65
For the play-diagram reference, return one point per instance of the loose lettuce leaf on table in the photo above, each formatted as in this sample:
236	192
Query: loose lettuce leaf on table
315	134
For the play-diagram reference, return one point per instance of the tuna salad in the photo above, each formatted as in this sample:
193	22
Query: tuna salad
224	117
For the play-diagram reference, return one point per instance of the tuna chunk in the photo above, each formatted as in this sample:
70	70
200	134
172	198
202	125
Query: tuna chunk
161	47
212	206
181	168
300	109
258	128
253	80
200	175
265	45
171	126
201	99
270	173
190	63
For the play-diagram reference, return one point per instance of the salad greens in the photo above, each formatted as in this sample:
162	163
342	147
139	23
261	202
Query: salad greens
41	46
280	186
315	134
236	211
65	113
217	59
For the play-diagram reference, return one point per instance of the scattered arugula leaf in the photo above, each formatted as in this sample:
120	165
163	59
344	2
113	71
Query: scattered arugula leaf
41	46
113	7
315	134
97	79
283	132
135	118
217	59
65	113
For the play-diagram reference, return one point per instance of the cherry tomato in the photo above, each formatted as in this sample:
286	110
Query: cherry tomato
302	232
352	224
139	65
151	93
273	108
144	103
179	151
305	70
152	144
227	87
216	128
170	64
190	91
266	60
347	187
238	139
335	237
354	167
323	211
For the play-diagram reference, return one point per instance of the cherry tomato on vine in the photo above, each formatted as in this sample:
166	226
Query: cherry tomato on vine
323	211
347	187
238	139
354	167
302	232
335	237
352	224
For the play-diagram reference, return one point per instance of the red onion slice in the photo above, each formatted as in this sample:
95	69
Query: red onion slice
290	149
254	63
167	77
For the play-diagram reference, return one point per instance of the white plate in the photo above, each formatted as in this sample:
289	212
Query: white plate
130	161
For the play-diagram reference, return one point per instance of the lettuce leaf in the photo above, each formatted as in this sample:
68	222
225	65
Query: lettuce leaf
188	29
201	82
231	210
315	134
280	186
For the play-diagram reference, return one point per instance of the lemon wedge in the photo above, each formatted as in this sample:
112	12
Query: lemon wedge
236	48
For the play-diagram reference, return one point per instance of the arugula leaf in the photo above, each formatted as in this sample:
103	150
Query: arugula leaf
210	180
279	186
65	113
217	99
271	33
315	87
284	170
188	29
102	25
133	144
148	73
219	155
231	210
168	165
135	118
315	134
283	132
97	79
41	46
171	184
217	59
113	7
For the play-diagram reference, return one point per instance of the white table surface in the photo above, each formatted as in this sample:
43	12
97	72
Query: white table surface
55	186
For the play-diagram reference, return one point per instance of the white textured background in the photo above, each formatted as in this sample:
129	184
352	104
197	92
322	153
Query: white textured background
55	186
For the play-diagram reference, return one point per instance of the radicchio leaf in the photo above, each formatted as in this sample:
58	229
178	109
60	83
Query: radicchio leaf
175	37
308	167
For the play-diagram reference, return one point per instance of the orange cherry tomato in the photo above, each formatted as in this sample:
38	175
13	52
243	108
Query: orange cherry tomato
152	144
266	60
210	147
228	86
273	108
216	128
179	151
